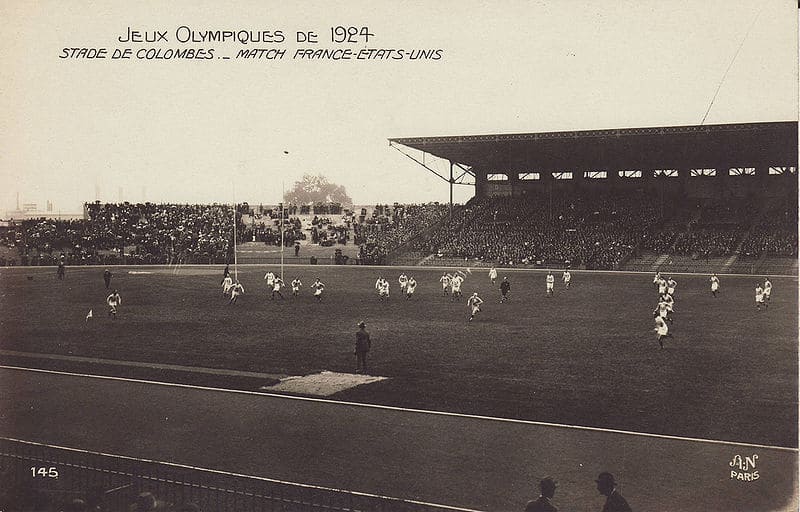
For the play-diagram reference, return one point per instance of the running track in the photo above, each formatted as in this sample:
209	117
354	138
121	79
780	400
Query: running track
464	461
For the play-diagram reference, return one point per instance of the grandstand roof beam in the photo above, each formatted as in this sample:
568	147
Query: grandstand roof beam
457	181
467	170
423	164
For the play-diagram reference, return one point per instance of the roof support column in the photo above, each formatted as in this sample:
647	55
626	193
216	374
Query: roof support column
722	180
451	181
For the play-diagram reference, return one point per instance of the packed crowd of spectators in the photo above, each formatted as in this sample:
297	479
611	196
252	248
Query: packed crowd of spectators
144	233
716	228
659	241
776	231
730	211
47	241
587	229
171	233
389	229
326	232
164	233
41	235
704	242
583	228
296	209
267	229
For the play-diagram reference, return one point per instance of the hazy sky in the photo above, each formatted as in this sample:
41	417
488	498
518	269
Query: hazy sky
187	130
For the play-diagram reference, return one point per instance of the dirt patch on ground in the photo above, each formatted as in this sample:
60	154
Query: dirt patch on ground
323	383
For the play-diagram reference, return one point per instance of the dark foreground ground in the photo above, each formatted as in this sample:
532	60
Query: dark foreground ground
475	463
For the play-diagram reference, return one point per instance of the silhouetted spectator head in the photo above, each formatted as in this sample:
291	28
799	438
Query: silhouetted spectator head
548	487
146	502
605	483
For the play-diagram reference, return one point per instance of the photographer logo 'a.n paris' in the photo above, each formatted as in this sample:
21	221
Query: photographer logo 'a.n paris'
744	469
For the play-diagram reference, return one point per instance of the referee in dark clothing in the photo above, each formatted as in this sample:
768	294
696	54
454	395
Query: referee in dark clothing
363	344
505	286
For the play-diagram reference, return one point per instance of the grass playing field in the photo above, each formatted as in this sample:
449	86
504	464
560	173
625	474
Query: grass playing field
587	356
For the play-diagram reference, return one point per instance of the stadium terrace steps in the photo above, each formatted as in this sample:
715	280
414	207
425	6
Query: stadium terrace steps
680	263
743	265
735	264
646	262
777	265
411	259
426	259
766	265
401	253
659	261
742	240
730	261
455	262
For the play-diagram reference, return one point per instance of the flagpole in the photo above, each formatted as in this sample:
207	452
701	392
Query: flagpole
282	244
235	268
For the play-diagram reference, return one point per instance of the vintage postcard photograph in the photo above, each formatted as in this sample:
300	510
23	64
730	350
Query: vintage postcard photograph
399	256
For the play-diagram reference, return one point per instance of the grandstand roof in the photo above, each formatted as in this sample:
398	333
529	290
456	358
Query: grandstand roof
773	143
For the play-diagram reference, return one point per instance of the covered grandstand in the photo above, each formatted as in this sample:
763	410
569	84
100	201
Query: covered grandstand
706	198
719	198
740	156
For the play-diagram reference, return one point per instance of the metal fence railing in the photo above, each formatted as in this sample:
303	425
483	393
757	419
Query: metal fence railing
34	473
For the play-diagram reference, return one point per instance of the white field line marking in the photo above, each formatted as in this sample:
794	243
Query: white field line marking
408	267
417	411
241	475
139	364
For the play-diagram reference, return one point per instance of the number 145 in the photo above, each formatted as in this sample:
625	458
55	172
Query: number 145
50	472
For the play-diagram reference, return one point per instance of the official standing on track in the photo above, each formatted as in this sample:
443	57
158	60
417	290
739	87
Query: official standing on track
505	286
363	344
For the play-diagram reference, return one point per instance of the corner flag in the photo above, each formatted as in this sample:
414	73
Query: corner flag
88	315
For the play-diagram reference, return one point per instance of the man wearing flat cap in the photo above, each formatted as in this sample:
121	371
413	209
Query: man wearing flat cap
547	486
363	344
614	500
